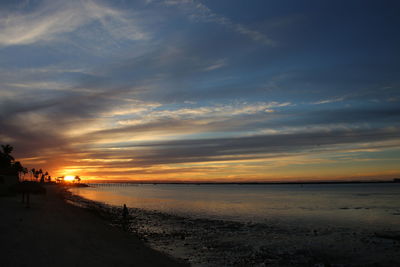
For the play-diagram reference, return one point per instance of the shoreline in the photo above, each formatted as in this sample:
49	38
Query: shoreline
208	242
54	233
64	229
394	181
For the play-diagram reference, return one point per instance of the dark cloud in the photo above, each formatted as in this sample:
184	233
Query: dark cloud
245	122
220	149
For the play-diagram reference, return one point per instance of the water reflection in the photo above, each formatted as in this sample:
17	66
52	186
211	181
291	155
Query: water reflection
370	205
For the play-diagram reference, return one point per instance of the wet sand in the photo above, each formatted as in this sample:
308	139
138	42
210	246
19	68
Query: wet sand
54	233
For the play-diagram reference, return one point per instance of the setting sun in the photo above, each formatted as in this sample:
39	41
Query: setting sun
69	178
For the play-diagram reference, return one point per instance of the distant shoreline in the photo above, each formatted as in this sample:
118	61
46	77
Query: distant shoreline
244	183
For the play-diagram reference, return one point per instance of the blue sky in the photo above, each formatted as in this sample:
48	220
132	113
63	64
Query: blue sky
202	90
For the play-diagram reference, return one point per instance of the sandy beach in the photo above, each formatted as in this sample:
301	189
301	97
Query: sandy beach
54	233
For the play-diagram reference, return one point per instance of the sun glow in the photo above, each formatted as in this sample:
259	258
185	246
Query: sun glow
69	178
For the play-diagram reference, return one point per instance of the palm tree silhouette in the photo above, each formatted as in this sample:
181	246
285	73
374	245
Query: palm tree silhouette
77	179
33	171
18	168
24	171
43	177
5	156
8	163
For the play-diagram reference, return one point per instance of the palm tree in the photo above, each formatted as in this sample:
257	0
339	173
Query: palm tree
33	171
24	171
77	179
5	156
17	167
7	149
44	176
36	173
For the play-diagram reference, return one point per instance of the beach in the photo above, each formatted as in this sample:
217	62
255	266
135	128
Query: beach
65	229
53	233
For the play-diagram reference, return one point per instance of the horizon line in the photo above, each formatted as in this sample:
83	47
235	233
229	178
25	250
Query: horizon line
392	180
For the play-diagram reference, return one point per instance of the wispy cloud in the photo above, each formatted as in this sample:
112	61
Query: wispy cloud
327	101
198	11
215	113
39	85
52	18
216	65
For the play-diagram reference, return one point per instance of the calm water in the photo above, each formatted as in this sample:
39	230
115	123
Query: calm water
363	205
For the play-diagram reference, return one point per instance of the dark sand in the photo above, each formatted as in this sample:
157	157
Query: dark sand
53	233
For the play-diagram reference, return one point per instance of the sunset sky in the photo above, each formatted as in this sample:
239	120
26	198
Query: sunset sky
202	90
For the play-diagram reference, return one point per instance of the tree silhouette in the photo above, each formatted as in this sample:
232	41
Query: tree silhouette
6	159
77	179
33	171
36	175
18	168
25	171
8	163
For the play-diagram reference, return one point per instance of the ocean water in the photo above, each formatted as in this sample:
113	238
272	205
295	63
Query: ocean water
372	206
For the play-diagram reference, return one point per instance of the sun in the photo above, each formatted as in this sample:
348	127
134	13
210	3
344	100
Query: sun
69	178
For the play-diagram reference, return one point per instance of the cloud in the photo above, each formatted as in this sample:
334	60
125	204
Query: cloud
241	118
53	18
247	148
213	113
39	85
216	65
327	101
201	12
131	85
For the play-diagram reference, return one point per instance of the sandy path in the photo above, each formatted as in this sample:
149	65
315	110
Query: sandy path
53	233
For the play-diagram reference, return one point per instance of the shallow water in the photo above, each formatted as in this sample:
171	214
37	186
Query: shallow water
371	206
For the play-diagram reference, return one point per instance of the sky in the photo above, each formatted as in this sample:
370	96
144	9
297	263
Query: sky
202	90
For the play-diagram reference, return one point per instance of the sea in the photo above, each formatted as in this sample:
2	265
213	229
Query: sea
259	224
369	205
